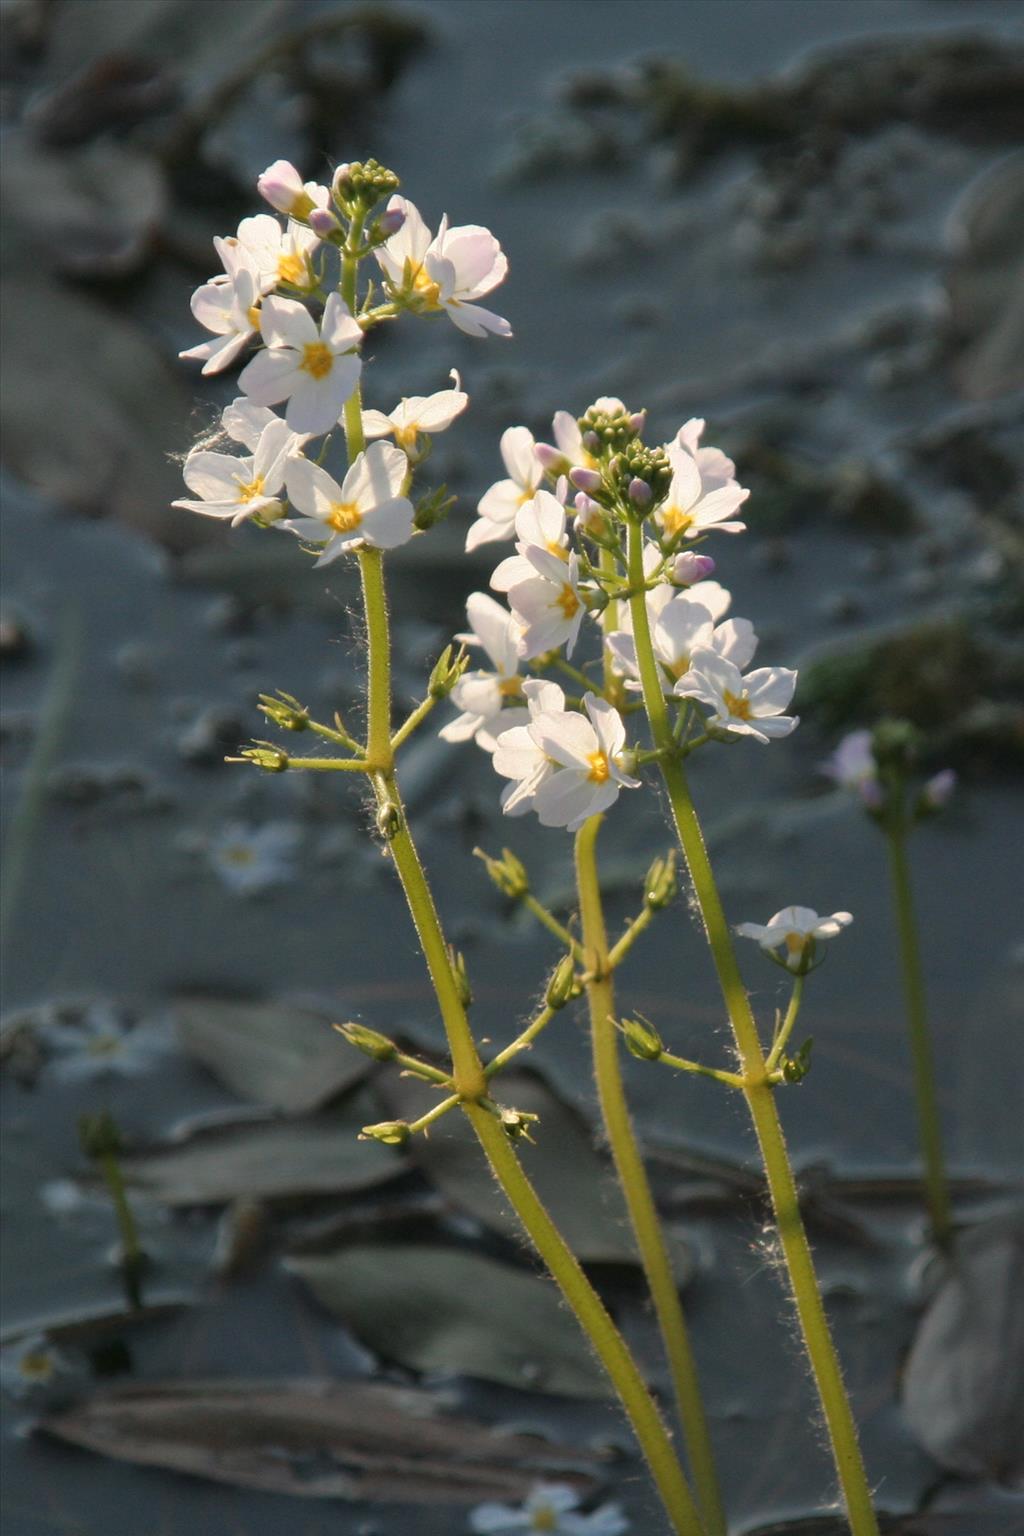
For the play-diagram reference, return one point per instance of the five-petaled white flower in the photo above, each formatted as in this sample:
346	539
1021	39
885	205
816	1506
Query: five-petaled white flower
284	189
540	524
498	505
548	605
482	695
680	627
368	507
235	488
585	753
446	271
549	1507
314	370
693	507
418	414
743	706
229	307
797	931
100	1044
273	255
517	755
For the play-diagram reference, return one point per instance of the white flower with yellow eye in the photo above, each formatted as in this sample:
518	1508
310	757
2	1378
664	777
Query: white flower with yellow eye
236	488
517	755
368	507
446	271
692	507
796	931
274	255
584	752
551	1508
418	416
499	505
229	307
716	469
549	605
742	706
540	524
682	626
483	695
314	370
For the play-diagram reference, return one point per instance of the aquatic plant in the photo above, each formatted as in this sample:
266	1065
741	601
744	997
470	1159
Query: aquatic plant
623	566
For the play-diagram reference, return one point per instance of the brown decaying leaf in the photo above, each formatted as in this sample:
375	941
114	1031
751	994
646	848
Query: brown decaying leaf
289	1058
317	1440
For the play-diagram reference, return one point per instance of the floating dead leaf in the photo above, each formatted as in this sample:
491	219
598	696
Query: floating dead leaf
272	1159
573	1178
445	1309
963	1389
289	1058
317	1440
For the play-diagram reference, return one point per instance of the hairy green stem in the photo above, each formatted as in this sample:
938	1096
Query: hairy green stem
636	1188
935	1181
787	1026
757	1089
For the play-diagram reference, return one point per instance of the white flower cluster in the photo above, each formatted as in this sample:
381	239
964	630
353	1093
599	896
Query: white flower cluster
569	761
276	290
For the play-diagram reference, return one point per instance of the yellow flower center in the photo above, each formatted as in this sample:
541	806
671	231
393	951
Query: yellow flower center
302	205
36	1366
554	548
317	359
675	521
426	290
675	669
291	269
405	437
247	489
795	943
238	853
599	770
525	497
344	516
253	316
568	602
511	687
544	1519
738	705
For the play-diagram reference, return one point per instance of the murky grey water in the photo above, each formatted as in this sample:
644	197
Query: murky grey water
144	667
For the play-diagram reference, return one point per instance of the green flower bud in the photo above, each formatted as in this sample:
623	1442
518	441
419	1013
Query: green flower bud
661	883
609	423
636	465
446	672
266	755
642	1039
563	986
433	509
99	1136
370	1041
285	711
795	1068
461	976
508	873
393	1133
363	182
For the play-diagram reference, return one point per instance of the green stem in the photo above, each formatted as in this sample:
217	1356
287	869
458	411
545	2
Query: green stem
622	947
683	1064
328	764
635	1186
757	1090
935	1181
415	720
133	1258
551	923
782	1038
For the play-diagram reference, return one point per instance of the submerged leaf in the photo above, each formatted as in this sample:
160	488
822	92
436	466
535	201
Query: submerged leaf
317	1440
445	1309
272	1159
963	1390
289	1058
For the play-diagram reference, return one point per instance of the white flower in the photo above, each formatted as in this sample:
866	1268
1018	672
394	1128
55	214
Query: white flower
548	1507
692	507
284	189
239	487
368	507
227	306
272	254
517	755
244	422
853	767
35	1369
251	859
743	706
540	524
498	506
716	469
548	605
99	1044
798	929
586	776
680	627
446	271
314	370
418	414
482	695
570	452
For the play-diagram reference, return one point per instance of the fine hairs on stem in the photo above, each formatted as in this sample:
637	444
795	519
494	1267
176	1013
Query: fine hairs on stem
621	570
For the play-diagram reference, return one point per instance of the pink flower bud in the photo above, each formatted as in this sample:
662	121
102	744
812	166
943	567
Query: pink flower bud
281	186
323	223
638	421
391	221
688	569
639	492
871	794
551	459
591	442
588	480
938	791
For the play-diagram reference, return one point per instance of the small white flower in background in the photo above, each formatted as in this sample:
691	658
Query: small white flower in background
482	695
550	1507
682	626
37	1370
853	767
691	507
272	254
236	488
499	505
568	451
796	931
99	1044
743	706
284	189
447	270
418	414
314	370
366	508
548	605
252	859
517	755
937	792
585	751
716	469
227	306
540	524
